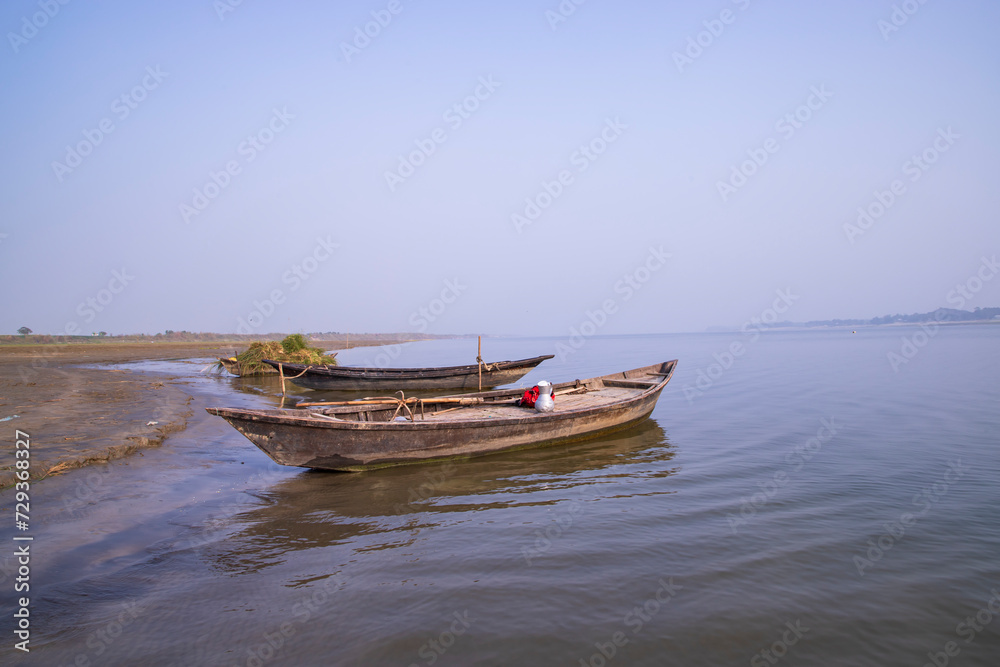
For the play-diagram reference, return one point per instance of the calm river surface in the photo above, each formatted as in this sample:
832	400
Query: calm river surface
806	505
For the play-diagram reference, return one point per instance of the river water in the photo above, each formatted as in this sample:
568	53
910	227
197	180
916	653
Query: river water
803	502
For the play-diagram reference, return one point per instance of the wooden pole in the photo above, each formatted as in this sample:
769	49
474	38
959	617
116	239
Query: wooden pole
479	361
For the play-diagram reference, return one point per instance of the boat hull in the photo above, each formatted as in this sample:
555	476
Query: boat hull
327	447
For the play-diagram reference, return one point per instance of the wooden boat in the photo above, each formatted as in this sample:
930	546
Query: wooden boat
377	432
353	378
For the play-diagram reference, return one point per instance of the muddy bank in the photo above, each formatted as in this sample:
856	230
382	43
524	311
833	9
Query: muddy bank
77	415
41	356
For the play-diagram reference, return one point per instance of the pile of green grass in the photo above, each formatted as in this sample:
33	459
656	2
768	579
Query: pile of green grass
294	349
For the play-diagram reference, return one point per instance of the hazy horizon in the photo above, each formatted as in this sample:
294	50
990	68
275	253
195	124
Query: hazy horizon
712	328
512	169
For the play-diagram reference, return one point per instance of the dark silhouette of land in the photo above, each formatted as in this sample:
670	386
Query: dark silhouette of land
939	315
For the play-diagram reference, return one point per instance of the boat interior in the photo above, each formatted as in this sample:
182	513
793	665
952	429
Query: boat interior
500	404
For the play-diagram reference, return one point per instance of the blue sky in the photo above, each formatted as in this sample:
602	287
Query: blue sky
244	178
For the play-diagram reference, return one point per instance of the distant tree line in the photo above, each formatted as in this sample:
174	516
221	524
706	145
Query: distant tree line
188	336
939	315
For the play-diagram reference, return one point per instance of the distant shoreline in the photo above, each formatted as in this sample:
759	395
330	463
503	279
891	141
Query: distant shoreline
182	338
939	316
828	327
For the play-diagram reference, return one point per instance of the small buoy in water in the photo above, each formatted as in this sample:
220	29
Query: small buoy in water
544	402
854	332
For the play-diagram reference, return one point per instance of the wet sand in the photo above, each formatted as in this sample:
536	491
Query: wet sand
77	414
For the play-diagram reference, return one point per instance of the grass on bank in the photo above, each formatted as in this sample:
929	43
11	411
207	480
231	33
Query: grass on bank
293	349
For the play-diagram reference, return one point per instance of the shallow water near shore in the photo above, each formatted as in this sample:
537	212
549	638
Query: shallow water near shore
802	498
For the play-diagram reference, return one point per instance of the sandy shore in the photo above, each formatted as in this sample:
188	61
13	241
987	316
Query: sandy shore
77	415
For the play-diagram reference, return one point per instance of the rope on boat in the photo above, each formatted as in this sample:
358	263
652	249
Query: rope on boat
401	402
402	405
281	372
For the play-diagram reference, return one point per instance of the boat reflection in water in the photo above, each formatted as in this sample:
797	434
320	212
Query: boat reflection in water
388	509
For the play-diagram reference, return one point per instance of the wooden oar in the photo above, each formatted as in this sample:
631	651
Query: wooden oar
463	401
324	403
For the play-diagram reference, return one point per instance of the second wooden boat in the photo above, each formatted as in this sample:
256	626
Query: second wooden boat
354	378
